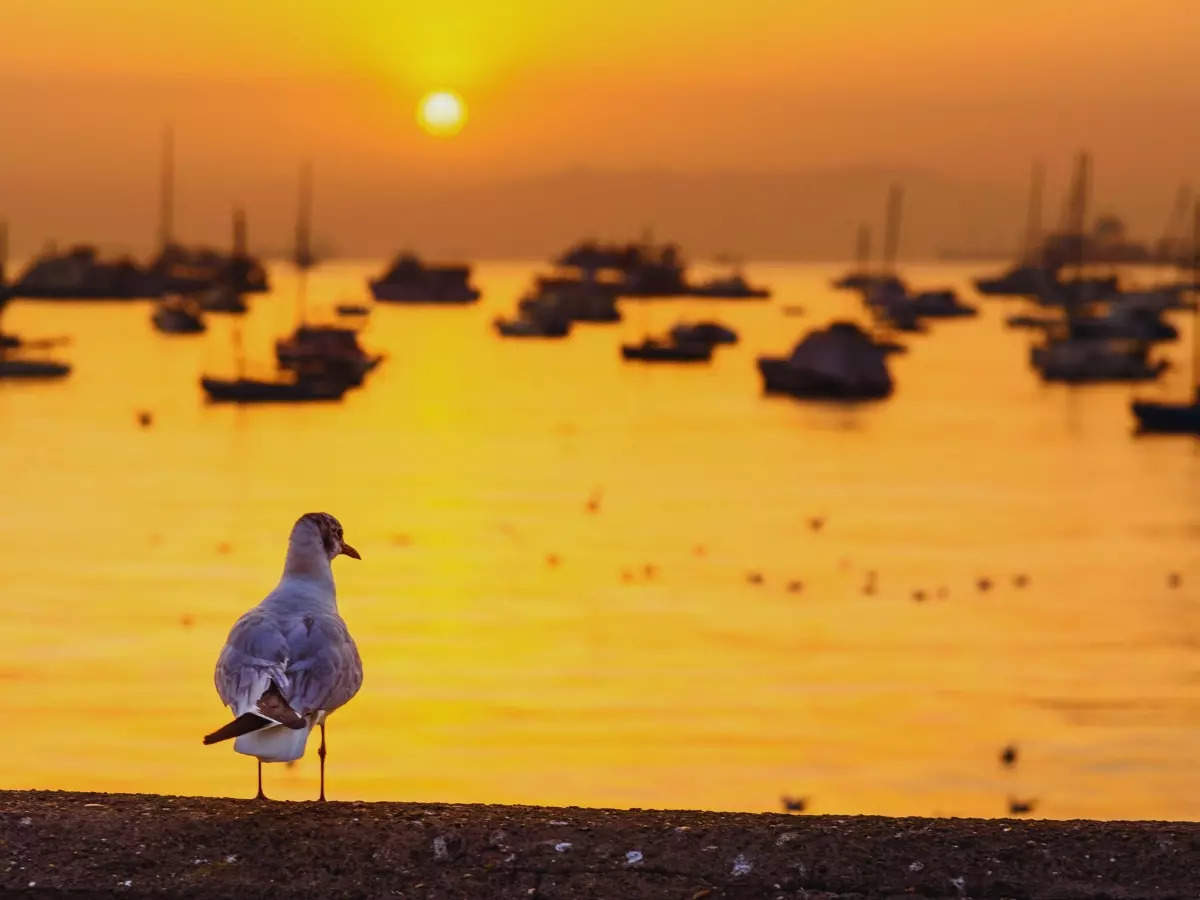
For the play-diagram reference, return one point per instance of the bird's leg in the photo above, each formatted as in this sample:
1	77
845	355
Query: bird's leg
260	795
321	753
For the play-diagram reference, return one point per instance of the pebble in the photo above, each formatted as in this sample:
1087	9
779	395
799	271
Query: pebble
916	866
25	820
439	848
741	866
633	857
562	846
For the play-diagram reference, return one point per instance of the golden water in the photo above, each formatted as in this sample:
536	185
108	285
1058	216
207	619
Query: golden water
493	676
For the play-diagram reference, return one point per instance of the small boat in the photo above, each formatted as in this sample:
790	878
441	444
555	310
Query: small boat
703	333
1177	418
533	324
178	315
940	304
579	299
252	390
408	280
222	297
1026	321
644	268
1020	280
32	368
730	287
841	362
656	350
1082	360
80	274
1168	418
327	350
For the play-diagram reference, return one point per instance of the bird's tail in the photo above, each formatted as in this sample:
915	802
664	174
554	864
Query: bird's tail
243	724
274	743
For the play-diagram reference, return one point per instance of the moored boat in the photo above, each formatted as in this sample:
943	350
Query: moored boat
658	350
408	280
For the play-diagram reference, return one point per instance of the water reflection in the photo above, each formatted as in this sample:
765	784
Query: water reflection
468	461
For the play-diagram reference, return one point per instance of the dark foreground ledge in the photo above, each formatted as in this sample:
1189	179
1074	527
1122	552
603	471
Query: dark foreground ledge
57	842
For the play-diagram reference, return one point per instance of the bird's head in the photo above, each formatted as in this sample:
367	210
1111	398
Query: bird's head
328	530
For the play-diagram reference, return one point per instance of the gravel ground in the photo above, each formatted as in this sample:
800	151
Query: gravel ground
101	844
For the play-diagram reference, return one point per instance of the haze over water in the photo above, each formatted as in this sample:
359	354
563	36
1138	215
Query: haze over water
492	676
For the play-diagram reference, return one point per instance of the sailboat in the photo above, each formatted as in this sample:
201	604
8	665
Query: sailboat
320	349
1178	418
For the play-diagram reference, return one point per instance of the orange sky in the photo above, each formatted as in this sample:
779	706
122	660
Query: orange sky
969	90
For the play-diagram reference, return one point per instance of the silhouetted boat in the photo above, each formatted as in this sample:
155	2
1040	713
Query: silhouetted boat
178	315
327	350
645	269
657	350
1090	359
1020	280
221	298
408	280
841	362
1178	418
252	390
31	368
1168	418
940	304
528	325
578	299
729	287
81	274
703	333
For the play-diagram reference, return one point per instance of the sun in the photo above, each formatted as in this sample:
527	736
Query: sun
442	113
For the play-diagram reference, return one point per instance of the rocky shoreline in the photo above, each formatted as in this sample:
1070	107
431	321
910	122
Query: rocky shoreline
56	843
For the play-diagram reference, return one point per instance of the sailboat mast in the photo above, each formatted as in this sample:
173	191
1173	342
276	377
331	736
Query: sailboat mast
891	236
1033	218
166	197
863	248
239	234
1195	309
303	253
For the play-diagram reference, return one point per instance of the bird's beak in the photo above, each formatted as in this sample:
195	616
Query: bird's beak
350	551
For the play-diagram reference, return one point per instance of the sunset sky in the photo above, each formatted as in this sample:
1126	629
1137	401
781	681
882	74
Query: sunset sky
968	93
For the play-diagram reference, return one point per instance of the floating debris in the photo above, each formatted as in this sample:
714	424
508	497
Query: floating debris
754	577
1021	807
816	523
187	620
919	596
1174	580
552	560
984	584
593	503
145	418
650	570
1008	756
795	586
1020	580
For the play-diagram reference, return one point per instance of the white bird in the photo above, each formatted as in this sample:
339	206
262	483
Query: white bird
289	662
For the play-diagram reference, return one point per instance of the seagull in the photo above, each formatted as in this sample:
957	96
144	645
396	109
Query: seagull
290	661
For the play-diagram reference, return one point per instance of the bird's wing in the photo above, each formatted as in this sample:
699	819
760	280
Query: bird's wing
323	669
255	654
